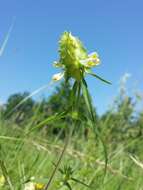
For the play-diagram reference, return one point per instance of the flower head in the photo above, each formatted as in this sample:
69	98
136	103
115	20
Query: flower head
74	59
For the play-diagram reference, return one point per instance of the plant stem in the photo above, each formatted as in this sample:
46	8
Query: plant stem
58	163
75	94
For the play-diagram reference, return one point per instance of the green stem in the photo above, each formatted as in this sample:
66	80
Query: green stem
58	163
75	94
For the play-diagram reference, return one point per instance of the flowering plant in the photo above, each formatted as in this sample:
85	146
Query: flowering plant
75	63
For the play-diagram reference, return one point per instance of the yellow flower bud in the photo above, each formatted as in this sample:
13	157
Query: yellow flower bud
2	180
39	186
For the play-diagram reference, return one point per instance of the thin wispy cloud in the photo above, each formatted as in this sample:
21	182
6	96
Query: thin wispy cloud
4	44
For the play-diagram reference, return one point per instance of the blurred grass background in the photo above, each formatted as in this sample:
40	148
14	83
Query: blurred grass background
27	154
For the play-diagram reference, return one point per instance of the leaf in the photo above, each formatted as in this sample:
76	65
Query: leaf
100	78
78	181
48	120
90	108
68	186
73	94
87	98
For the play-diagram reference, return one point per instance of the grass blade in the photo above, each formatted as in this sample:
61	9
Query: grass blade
48	120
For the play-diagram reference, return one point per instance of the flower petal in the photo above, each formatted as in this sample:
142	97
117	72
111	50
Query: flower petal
29	186
57	64
58	76
91	61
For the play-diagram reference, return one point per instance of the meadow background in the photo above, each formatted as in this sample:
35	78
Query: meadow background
33	130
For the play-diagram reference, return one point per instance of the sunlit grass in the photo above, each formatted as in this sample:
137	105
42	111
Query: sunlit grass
33	158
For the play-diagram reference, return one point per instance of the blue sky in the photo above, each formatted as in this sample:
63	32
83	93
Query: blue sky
113	28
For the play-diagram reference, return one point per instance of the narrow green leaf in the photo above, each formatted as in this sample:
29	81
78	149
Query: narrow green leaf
90	108
68	186
73	94
100	78
78	181
48	120
86	97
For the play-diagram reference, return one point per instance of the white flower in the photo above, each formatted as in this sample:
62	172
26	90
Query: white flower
57	64
58	76
91	61
29	186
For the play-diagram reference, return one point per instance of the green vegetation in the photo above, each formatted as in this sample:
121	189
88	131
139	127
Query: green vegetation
24	155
